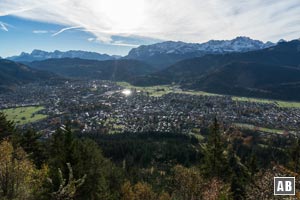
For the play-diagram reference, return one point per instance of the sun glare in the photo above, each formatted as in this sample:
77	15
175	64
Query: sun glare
126	92
124	16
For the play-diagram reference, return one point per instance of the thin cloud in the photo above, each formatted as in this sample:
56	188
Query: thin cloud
65	29
117	43
91	39
40	31
188	20
3	26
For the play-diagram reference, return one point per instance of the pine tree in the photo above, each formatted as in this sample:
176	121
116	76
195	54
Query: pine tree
7	128
252	166
85	158
31	142
215	164
239	176
295	155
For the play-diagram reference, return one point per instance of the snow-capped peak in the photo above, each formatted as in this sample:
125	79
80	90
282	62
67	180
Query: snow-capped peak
239	44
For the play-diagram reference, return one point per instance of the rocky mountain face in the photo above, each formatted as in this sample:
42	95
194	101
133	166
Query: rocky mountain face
163	54
273	72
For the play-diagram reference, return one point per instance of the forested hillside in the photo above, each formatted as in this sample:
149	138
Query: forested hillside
226	164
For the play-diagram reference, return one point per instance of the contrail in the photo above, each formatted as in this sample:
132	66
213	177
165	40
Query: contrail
65	29
3	27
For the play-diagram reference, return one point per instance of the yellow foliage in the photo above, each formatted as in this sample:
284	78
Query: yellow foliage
18	175
188	182
165	196
126	190
139	191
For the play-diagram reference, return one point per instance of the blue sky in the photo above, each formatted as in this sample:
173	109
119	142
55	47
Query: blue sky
22	35
116	26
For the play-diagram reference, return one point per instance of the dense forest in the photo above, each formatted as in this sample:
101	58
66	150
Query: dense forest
226	163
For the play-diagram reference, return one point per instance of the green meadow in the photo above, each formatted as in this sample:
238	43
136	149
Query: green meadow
161	90
262	129
282	104
24	115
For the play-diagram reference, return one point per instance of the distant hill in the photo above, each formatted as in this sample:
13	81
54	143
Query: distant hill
270	73
252	79
164	54
118	70
12	74
37	55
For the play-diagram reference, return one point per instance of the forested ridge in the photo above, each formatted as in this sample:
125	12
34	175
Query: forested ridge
226	164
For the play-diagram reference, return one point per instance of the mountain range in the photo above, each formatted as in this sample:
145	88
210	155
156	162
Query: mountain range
242	67
36	55
273	72
159	55
164	54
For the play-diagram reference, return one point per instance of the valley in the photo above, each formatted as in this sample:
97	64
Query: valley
103	107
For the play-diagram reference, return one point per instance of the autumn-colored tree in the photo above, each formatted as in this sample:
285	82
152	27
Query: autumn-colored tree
140	191
126	191
143	191
187	183
19	179
216	189
164	196
263	185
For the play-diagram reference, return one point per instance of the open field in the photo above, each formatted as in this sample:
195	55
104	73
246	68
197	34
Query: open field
161	90
155	91
192	92
24	115
266	130
283	104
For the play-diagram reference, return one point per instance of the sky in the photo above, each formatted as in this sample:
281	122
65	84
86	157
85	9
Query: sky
116	26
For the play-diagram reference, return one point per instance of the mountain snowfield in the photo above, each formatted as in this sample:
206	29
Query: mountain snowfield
145	52
162	55
239	44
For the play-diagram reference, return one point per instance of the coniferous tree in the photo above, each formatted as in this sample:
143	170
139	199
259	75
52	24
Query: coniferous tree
294	152
7	128
86	158
215	163
31	142
239	175
252	166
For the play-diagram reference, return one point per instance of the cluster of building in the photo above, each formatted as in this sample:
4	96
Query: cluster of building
103	106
